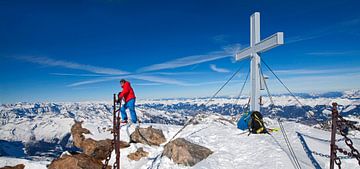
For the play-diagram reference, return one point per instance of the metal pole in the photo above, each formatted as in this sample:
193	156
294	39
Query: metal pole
115	128
333	134
118	137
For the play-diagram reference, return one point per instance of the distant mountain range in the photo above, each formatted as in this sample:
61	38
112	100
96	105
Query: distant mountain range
34	130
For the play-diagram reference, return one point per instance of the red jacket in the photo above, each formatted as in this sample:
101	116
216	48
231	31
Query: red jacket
127	92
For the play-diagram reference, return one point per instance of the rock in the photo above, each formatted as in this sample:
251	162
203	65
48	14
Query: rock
77	132
148	135
138	154
91	147
93	151
97	149
124	144
78	161
184	152
19	166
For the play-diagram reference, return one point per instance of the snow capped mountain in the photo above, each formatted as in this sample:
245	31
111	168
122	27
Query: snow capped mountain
40	131
352	94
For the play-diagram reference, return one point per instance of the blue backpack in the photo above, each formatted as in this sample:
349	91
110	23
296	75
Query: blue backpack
243	123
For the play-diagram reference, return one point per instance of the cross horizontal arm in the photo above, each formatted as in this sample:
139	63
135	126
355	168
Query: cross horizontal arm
266	44
270	42
244	53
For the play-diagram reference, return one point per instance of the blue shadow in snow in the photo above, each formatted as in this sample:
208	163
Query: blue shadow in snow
308	151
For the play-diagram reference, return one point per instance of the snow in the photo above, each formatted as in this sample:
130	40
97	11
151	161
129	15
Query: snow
232	148
349	108
6	161
27	130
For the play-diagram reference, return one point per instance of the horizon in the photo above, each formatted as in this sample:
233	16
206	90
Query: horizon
245	96
170	49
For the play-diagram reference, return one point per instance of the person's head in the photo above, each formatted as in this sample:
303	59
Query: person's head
122	82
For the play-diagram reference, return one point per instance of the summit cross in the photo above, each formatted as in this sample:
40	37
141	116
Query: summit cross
253	52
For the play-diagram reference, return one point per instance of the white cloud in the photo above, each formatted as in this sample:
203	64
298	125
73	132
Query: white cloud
92	81
344	26
112	74
316	71
158	79
220	38
217	69
328	82
146	84
149	78
78	75
228	51
71	65
303	38
215	83
334	53
186	61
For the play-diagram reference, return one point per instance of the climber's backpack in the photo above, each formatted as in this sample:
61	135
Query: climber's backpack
243	123
256	123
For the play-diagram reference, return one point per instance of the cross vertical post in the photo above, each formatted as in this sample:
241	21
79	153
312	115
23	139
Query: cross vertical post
255	63
257	46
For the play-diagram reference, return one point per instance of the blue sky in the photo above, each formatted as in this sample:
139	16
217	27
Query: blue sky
79	50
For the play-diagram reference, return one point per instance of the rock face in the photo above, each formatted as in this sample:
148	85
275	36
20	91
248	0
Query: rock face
19	166
93	151
78	161
91	147
148	135
185	152
77	132
138	154
97	149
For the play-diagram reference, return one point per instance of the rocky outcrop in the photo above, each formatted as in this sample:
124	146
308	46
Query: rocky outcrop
148	136
77	132
78	161
93	151
140	153
97	149
184	152
91	147
19	166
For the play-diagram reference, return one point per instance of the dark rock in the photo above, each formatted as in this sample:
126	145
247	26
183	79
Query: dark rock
138	154
148	136
93	151
19	166
184	152
91	147
78	161
77	132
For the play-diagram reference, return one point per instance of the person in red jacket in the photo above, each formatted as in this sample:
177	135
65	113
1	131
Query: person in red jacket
129	97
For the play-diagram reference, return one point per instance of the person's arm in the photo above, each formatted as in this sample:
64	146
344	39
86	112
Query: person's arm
125	91
119	98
